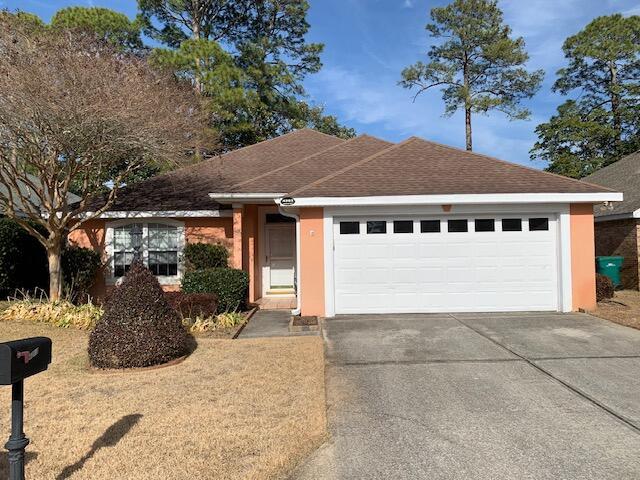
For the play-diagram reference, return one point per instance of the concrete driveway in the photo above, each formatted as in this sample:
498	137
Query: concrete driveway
480	396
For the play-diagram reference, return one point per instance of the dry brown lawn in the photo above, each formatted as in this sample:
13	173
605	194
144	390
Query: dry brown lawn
624	308
234	409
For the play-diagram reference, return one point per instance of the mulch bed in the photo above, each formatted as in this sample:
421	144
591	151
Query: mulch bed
304	321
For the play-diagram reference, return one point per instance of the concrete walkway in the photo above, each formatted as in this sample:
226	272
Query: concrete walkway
501	396
270	323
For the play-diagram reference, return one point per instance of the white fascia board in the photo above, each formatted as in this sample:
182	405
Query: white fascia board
166	214
458	199
225	198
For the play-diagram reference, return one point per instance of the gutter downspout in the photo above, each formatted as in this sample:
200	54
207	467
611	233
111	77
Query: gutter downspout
296	217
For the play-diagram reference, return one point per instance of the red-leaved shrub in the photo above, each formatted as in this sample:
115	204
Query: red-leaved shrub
192	305
139	328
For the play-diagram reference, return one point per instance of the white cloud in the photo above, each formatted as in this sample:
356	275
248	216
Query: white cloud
408	4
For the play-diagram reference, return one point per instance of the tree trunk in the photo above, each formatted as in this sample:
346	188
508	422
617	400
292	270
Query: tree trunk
54	252
467	124
195	27
467	103
615	106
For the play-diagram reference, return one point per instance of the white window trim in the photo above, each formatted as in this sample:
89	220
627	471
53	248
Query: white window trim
110	226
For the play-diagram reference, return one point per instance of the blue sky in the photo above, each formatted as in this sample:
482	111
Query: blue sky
368	43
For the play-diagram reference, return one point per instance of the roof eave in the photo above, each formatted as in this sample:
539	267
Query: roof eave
618	216
246	198
458	199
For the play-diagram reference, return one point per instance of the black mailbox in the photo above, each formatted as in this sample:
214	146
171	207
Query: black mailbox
20	359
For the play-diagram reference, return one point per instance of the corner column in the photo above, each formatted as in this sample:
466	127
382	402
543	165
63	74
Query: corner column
236	258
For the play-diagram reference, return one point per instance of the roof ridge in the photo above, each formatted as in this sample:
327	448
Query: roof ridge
219	156
353	165
279	169
525	167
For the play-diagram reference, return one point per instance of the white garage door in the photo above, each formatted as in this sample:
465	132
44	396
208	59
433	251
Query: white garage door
452	264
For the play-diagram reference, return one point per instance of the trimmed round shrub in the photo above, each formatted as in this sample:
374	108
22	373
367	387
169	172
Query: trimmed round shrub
79	269
192	305
230	285
139	328
201	256
23	261
604	287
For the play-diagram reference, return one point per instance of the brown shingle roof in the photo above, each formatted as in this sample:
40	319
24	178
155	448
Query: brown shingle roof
311	168
188	188
306	163
622	176
419	167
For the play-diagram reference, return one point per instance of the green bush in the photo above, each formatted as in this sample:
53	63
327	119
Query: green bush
201	256
79	269
139	328
23	261
230	285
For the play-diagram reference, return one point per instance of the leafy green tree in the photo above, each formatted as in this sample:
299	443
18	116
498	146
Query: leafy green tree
314	117
477	63
264	40
113	26
602	124
574	142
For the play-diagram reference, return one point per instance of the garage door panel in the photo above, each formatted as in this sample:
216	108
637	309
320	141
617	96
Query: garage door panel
462	271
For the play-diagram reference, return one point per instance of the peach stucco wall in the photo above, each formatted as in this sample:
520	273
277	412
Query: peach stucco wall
583	270
250	250
311	276
209	230
92	235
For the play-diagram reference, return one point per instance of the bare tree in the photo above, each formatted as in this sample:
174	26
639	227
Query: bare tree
76	115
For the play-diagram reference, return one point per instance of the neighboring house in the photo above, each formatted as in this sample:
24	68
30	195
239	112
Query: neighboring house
617	225
27	192
366	226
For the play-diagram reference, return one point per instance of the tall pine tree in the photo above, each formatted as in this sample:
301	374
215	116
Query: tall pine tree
477	64
265	39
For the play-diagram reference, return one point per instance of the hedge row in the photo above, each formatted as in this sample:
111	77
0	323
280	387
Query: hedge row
201	256
230	285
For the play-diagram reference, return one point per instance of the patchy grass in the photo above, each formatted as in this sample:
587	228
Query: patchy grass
4	306
234	409
623	308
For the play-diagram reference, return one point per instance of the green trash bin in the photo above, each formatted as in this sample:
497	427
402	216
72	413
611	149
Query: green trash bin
610	267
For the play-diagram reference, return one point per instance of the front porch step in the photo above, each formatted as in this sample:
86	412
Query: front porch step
281	291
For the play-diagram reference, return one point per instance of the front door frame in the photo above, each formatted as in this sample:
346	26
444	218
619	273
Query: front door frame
265	272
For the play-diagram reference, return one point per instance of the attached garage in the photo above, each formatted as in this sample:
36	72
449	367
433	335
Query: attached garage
427	263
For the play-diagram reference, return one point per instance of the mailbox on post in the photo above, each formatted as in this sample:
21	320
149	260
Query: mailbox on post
20	359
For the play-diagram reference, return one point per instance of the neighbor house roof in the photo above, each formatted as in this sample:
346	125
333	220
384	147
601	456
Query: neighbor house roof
187	188
420	167
27	192
306	163
622	176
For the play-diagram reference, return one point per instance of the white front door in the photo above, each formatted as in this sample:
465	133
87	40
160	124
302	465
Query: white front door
280	256
461	263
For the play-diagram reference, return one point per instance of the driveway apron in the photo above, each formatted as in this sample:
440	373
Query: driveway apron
480	396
